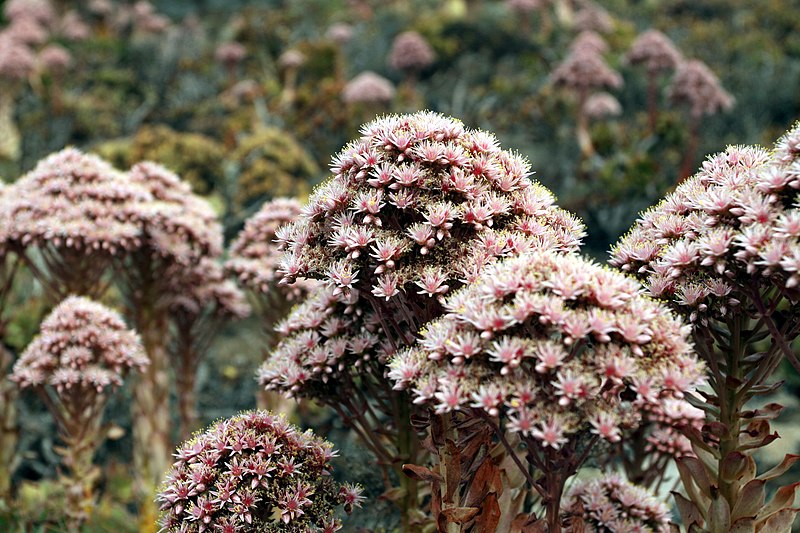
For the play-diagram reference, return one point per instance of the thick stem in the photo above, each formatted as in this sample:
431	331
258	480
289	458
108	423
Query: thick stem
8	423
584	138
79	484
408	447
652	101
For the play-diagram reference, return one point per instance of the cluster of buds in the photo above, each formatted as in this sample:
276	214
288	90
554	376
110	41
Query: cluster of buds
584	69
728	231
84	350
177	225
417	207
611	504
204	288
254	472
368	87
72	200
254	254
557	345
410	53
326	342
697	86
654	51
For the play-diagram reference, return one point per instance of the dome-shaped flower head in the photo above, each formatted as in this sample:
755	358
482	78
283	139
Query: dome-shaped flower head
340	33
27	31
722	235
291	59
611	504
39	10
655	51
410	53
584	70
178	225
555	343
602	105
591	41
595	18
254	254
204	288
230	53
368	87
83	348
699	88
254	472
54	58
74	205
416	207
326	342
17	60
525	6
73	28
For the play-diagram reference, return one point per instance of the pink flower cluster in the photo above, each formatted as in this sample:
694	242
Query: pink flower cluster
592	17
72	200
698	87
251	473
326	342
205	287
655	51
254	254
83	348
729	230
416	207
584	69
177	224
611	504
368	87
410	52
601	105
666	419
556	344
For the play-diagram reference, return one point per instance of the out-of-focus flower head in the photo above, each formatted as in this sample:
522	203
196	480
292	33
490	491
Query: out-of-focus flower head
584	70
40	11
368	87
595	18
729	230
590	41
326	342
655	51
145	18
205	287
73	201
254	472
73	28
602	105
17	60
340	33
667	419
695	85
178	225
291	59
416	207
231	53
525	6
558	345
611	504
54	58
101	8
27	31
255	256
410	52
83	348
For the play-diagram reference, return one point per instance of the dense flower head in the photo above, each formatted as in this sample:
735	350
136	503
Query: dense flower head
591	41
410	52
177	225
611	504
416	207
72	200
325	343
602	105
17	60
73	28
41	11
655	51
666	419
230	53
730	229
595	18
584	70
697	86
254	254
54	58
291	59
82	347
368	87
340	33
557	344
204	286
28	31
252	473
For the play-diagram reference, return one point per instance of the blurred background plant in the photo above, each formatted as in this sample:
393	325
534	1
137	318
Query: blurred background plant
246	101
